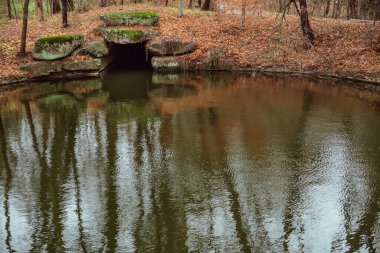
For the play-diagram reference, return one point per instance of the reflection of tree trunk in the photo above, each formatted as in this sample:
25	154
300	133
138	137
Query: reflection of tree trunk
7	186
138	162
219	146
71	159
111	227
296	154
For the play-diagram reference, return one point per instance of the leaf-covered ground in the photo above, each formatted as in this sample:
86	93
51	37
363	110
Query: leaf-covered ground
343	48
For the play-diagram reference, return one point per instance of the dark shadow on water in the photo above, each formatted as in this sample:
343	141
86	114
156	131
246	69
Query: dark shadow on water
128	85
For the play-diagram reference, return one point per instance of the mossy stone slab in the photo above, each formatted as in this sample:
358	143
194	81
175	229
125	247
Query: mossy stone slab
56	47
126	36
130	19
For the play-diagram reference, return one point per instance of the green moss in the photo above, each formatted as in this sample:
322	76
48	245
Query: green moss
57	39
132	34
131	15
143	15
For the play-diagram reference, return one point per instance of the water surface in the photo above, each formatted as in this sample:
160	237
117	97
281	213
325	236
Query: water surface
189	163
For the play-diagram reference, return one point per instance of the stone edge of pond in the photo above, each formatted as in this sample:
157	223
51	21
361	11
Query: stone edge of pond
361	82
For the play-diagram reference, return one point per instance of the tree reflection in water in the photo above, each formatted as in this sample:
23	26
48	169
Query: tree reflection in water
188	162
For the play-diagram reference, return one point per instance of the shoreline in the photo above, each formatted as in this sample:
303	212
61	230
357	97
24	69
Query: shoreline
371	83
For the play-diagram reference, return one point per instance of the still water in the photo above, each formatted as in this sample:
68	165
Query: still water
189	163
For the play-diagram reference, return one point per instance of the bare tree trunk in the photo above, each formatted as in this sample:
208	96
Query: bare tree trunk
243	10
352	9
39	7
9	9
25	12
103	3
207	5
305	23
180	8
64	14
191	4
327	10
55	7
14	9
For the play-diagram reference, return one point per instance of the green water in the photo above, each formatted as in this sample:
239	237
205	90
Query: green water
189	163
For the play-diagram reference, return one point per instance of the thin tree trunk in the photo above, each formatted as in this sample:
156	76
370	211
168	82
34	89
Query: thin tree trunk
55	7
327	10
14	9
207	5
64	14
9	9
305	23
25	11
352	9
180	8
243	10
39	8
103	3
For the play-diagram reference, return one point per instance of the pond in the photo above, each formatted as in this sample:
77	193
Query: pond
217	162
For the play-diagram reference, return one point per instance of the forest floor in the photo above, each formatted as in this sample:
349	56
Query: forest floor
342	48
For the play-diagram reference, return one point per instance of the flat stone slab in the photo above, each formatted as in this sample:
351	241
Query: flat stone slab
83	65
127	36
170	47
56	47
95	49
166	64
42	68
130	19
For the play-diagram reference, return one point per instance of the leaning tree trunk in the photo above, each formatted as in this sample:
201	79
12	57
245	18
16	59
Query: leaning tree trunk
305	23
25	11
64	14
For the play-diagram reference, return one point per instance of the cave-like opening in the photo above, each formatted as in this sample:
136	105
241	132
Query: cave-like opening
126	57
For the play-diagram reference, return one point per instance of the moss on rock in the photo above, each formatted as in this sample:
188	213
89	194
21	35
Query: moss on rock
56	47
130	18
126	36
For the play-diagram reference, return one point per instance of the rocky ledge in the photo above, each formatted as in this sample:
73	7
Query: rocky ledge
127	36
62	68
130	19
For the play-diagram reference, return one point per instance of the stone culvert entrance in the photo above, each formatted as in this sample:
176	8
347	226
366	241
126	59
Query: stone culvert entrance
131	49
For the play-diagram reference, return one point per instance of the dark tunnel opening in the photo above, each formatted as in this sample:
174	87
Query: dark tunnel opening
126	57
